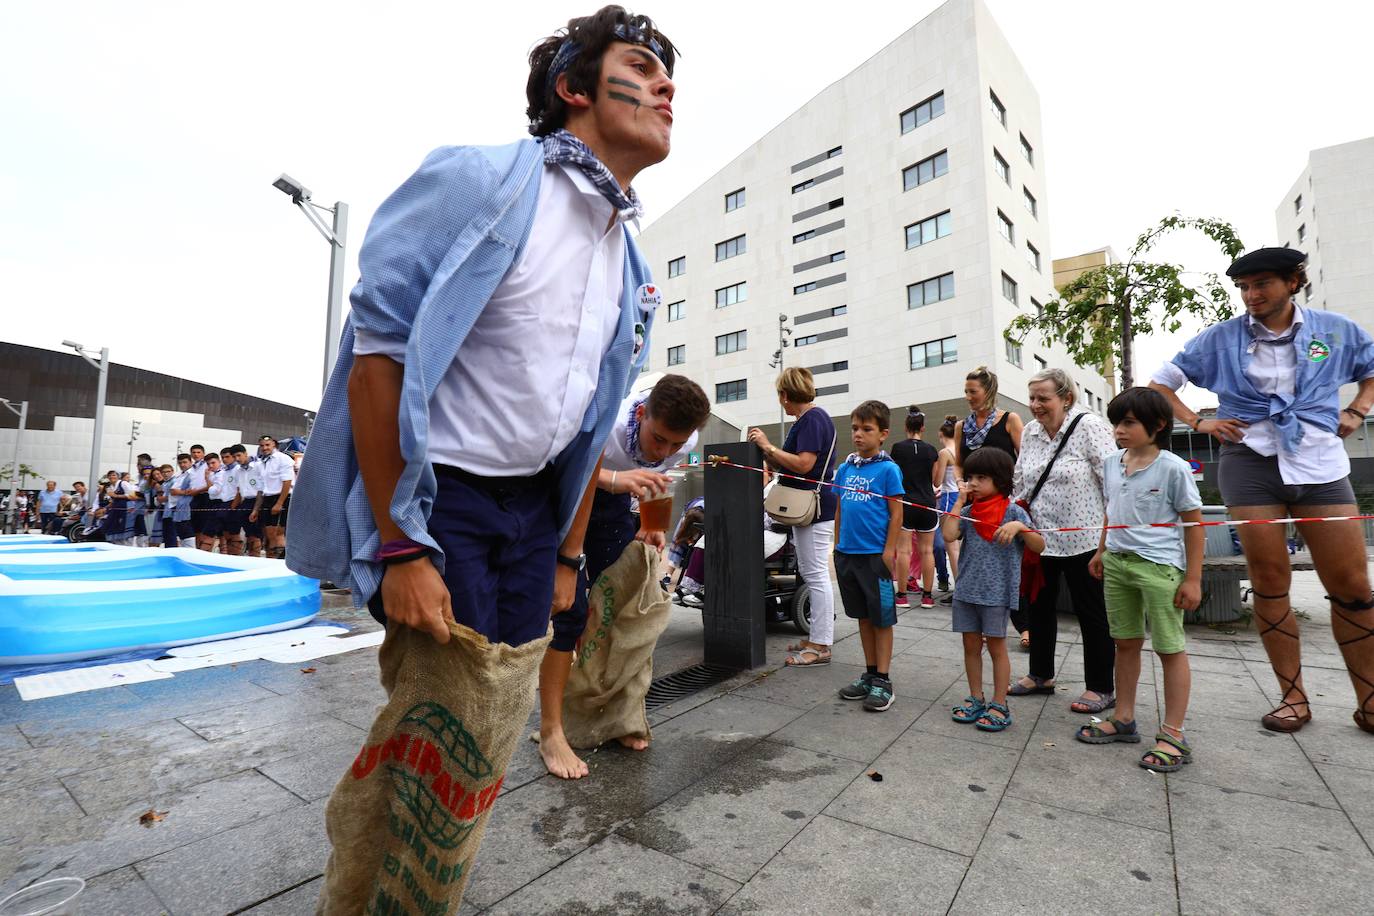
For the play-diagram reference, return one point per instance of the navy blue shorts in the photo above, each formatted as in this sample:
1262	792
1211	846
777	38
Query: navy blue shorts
200	513
250	529
610	529
499	537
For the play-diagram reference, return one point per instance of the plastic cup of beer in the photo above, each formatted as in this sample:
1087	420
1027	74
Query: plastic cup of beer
656	513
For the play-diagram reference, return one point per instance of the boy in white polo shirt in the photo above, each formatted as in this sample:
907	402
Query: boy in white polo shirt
248	481
278	473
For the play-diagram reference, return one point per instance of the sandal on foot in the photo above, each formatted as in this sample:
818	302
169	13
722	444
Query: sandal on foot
1290	723
1018	689
1125	732
995	719
808	657
1167	761
1103	702
968	713
1364	721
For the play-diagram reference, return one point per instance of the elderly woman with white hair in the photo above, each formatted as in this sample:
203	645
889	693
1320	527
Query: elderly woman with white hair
1059	473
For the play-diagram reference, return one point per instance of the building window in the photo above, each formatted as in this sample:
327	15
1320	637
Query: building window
802	185
1040	363
730	248
999	111
925	112
836	256
806	341
1302	232
1013	352
803	288
830	367
925	170
833	152
1037	306
677	267
1005	228
999	165
934	353
677	355
1297	204
731	343
729	295
928	230
1027	151
734	200
1028	199
732	391
936	289
677	310
1032	256
844	309
1008	289
803	236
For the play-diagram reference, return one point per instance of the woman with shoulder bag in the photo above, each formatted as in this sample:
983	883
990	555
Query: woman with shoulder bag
809	452
1059	474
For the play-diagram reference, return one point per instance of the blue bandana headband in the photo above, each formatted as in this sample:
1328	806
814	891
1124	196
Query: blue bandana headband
569	49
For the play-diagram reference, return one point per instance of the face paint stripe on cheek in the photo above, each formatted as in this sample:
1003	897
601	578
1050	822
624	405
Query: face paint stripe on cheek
617	81
622	97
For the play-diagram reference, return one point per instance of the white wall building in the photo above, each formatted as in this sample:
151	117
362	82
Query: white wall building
1329	214
898	219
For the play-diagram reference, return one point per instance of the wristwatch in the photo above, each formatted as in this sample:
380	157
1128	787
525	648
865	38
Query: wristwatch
577	563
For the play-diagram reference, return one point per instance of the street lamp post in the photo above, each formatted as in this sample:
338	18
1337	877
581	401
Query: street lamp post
23	414
337	237
784	332
103	367
133	437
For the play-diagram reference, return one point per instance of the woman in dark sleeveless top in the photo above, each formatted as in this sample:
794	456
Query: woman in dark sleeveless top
987	426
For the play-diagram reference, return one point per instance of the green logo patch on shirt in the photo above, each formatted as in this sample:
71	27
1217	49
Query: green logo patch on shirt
1317	351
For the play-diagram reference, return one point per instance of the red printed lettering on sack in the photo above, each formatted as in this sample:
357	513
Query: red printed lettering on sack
423	759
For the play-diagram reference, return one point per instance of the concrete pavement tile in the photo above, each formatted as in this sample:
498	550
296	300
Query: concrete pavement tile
102	746
1324	686
1242	853
12	739
1024	711
1351	788
239	867
1072	670
842	728
1049	860
102	842
57	712
1239	755
881	874
1331	737
122	891
1102	780
618	876
237	718
134	780
1213	663
294	902
739	816
935	790
800	688
927	677
30	809
851	651
358	668
314	773
223	684
1233	695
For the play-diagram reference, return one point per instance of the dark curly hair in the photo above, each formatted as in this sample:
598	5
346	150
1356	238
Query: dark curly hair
678	403
546	111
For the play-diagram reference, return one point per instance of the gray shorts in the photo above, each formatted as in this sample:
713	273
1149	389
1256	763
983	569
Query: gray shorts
988	619
1247	478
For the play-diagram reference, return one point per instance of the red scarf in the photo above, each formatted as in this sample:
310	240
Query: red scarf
987	515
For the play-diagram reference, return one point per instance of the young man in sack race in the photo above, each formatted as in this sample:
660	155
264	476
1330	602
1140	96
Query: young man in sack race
501	317
652	434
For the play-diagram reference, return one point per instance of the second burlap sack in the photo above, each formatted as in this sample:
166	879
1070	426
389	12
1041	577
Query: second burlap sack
407	818
615	663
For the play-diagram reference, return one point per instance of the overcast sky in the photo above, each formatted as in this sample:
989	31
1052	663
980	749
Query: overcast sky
141	139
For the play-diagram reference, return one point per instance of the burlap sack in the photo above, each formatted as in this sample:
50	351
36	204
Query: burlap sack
405	821
606	690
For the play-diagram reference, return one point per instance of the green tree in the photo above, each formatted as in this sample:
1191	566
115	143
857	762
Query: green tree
1097	314
25	472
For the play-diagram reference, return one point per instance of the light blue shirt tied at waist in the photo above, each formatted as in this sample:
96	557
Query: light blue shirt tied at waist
435	252
1331	350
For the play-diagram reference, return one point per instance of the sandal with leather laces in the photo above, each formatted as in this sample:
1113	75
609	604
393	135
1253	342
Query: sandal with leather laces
1364	716
1273	720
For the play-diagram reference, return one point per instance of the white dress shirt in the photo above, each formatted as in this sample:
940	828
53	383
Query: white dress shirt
521	383
276	470
614	457
1272	369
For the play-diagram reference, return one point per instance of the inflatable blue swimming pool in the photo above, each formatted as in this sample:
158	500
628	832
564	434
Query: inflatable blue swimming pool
83	601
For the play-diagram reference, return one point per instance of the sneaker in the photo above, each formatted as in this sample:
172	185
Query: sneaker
693	601
879	694
943	586
857	690
901	600
927	600
948	600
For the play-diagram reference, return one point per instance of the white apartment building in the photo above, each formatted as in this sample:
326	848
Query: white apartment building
899	220
1329	214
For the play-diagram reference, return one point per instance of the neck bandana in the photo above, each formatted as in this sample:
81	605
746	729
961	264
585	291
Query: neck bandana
987	515
632	435
974	435
859	461
561	146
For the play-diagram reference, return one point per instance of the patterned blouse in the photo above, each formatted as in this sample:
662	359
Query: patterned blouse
1072	496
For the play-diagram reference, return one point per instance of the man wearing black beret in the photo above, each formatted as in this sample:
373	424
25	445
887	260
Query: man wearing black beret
1277	372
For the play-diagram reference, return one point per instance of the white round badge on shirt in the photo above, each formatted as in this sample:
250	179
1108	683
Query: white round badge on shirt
649	297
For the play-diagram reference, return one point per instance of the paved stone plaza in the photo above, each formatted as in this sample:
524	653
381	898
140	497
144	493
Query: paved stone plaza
754	798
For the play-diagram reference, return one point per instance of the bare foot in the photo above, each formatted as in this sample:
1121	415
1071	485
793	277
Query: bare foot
632	742
559	758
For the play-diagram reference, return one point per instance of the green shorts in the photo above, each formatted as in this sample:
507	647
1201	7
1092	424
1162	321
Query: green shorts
1136	589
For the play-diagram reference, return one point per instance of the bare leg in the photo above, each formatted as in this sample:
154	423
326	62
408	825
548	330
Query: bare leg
553	744
1178	685
866	639
882	648
973	663
925	547
952	555
1001	668
1266	555
1338	552
1127	679
904	554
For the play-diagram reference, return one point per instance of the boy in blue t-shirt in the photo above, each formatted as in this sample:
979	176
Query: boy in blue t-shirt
992	530
866	549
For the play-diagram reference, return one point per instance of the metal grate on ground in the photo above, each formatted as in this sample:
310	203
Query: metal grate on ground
679	684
